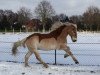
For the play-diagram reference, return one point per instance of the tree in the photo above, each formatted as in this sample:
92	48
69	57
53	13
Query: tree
4	23
44	10
55	18
92	18
10	16
78	19
24	15
63	18
9	19
6	19
1	14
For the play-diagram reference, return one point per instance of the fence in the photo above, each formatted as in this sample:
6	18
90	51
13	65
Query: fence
86	57
86	50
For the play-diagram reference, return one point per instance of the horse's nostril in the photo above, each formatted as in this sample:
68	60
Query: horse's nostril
74	40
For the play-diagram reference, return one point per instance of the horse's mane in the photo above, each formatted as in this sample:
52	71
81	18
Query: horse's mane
57	31
59	24
56	25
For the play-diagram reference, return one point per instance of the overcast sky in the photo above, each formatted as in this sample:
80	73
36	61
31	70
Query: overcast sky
68	7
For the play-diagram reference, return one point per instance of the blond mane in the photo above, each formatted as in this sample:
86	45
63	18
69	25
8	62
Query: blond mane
58	24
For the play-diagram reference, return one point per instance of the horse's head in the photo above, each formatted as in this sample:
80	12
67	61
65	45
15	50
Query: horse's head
72	31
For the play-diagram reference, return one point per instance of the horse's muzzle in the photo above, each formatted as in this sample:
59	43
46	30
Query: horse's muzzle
74	39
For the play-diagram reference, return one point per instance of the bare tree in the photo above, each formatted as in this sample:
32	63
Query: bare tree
1	14
92	18
44	10
78	19
10	16
24	15
6	19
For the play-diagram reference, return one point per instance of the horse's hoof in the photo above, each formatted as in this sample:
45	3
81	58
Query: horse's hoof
66	55
27	65
76	62
46	66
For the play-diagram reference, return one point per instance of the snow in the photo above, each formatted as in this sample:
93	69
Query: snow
9	68
88	56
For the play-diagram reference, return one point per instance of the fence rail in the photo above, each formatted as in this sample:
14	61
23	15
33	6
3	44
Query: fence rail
83	52
61	53
56	54
67	43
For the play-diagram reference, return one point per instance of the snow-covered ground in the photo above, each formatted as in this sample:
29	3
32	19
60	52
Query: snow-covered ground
36	69
88	56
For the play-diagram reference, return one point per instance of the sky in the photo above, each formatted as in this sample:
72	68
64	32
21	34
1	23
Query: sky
68	7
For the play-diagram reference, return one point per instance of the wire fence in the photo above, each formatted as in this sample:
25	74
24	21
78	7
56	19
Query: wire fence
87	56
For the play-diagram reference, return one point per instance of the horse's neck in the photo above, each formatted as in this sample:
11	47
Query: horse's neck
56	33
62	36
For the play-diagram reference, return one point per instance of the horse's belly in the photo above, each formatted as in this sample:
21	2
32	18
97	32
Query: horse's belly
48	44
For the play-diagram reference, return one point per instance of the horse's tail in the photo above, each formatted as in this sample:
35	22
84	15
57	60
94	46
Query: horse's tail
17	44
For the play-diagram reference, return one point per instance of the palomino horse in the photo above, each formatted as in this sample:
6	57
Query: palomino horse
56	39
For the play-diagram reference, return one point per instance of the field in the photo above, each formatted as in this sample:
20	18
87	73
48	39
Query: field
86	50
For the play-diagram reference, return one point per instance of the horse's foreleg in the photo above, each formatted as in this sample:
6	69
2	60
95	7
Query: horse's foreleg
39	58
66	55
27	57
70	54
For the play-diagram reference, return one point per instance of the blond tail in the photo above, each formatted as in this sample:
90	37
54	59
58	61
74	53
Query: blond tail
16	45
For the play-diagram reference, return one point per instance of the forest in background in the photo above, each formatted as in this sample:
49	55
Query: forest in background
88	21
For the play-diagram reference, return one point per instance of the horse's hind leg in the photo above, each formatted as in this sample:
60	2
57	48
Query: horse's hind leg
39	58
27	57
70	53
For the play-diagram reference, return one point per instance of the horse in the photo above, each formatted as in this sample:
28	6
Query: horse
33	24
56	39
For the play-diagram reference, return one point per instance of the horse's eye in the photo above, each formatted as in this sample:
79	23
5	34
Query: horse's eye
73	32
73	29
